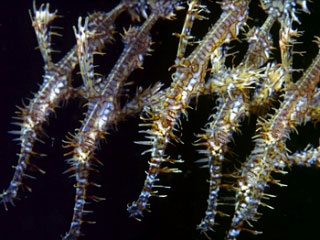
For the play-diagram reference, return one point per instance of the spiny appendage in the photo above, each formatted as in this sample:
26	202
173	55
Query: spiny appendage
81	169
224	30
284	9
101	27
310	78
136	8
258	54
165	8
309	157
215	171
253	178
314	108
84	144
85	56
286	43
97	30
260	44
136	45
271	83
285	12
294	107
161	8
218	67
27	137
159	136
142	97
248	198
40	21
194	12
230	82
191	71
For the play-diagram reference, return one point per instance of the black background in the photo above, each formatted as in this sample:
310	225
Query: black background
46	212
